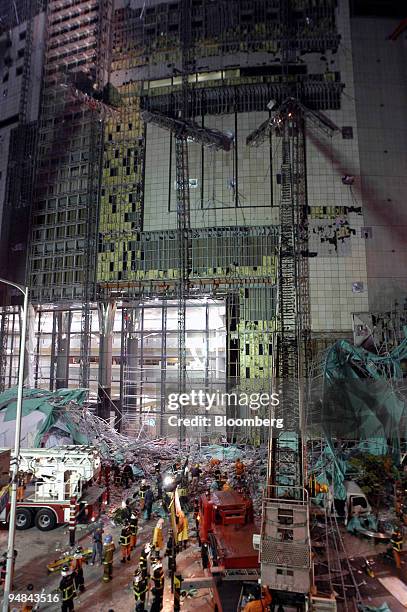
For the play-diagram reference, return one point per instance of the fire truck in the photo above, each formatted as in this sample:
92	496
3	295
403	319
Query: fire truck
226	524
58	478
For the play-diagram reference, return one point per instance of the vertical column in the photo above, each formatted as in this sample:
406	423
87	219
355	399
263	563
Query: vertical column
64	320
107	311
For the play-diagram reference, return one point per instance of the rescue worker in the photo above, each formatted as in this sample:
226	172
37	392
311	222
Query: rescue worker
140	588
143	561
148	502
142	492
195	473
214	463
227	486
127	476
77	568
170	553
205	556
158	540
159	483
397	545
157	603
183	530
196	516
157	575
67	588
20	486
97	544
108	551
259	605
116	475
239	469
133	529
124	541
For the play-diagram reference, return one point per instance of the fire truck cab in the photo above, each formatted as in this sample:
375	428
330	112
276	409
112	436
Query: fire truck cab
226	524
60	477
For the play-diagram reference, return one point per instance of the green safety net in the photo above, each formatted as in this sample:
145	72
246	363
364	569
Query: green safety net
51	404
384	607
359	398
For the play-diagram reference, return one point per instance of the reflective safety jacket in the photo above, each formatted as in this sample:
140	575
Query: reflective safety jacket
67	588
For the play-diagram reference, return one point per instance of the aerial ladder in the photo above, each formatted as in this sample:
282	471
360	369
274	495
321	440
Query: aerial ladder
284	542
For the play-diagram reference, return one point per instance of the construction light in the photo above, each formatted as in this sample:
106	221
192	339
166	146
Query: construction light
168	481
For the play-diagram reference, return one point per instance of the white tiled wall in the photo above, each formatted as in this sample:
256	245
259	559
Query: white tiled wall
381	103
333	273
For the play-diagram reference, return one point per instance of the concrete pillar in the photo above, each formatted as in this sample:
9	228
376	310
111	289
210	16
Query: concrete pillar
107	311
64	320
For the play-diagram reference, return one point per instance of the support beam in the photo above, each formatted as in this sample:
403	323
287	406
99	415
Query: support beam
64	320
107	311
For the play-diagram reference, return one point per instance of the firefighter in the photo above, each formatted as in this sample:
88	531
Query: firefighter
158	540
77	568
67	588
205	555
239	469
227	486
171	553
258	605
195	473
141	493
148	502
124	541
196	516
397	545
108	551
143	560
127	475
183	530
133	529
214	463
140	588
20	486
157	575
116	475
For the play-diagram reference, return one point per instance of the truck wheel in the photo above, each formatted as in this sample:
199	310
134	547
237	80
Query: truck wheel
24	518
45	520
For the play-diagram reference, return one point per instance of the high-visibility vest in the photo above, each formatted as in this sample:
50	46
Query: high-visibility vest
68	592
397	542
139	589
133	528
124	540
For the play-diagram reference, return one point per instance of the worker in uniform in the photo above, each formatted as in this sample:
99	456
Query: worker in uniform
97	544
195	473
397	545
143	560
140	588
20	486
205	555
239	469
196	517
108	551
227	486
214	463
116	475
170	552
259	605
141	493
183	530
127	476
158	540
67	588
148	502
133	529
124	541
77	568
157	575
